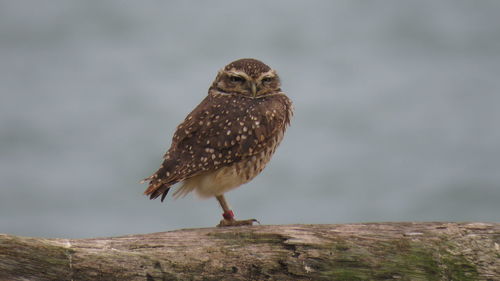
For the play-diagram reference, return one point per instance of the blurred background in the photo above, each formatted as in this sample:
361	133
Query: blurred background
397	110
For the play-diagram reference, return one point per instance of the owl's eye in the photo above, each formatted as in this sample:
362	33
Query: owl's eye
236	79
266	79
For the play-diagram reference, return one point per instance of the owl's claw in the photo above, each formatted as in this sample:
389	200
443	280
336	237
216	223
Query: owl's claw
233	222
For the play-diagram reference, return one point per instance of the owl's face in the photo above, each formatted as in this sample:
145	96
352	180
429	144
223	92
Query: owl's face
248	77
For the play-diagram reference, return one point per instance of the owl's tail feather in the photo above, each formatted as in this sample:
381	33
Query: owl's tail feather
161	181
156	189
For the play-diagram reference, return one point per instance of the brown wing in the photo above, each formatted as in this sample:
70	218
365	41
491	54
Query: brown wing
221	130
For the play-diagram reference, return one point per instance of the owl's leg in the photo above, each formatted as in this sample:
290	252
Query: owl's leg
228	215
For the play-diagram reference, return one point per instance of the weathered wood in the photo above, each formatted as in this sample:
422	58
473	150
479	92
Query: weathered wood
375	251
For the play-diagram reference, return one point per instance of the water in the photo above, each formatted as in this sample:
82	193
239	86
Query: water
396	110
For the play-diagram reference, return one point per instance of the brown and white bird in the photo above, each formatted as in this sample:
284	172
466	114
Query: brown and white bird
228	138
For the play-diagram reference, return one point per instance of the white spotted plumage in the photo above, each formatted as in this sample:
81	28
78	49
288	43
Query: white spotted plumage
229	137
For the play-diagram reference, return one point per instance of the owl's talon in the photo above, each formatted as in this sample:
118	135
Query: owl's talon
233	222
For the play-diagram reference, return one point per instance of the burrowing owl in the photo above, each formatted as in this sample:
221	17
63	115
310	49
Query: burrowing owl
228	138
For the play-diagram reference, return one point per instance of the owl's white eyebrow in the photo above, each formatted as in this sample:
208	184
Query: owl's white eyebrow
237	73
269	74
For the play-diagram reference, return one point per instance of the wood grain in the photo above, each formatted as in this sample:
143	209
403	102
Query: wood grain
375	251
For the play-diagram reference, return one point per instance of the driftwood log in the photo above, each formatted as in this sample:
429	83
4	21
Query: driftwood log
375	251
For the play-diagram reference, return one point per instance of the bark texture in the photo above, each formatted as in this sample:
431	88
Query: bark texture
375	251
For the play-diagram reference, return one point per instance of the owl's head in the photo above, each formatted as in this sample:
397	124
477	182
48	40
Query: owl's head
248	77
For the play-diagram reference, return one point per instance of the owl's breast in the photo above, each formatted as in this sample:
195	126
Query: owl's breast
224	179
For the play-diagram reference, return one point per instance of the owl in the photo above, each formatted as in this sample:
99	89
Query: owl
228	139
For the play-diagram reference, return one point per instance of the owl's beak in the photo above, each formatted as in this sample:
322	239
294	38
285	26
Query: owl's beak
254	89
